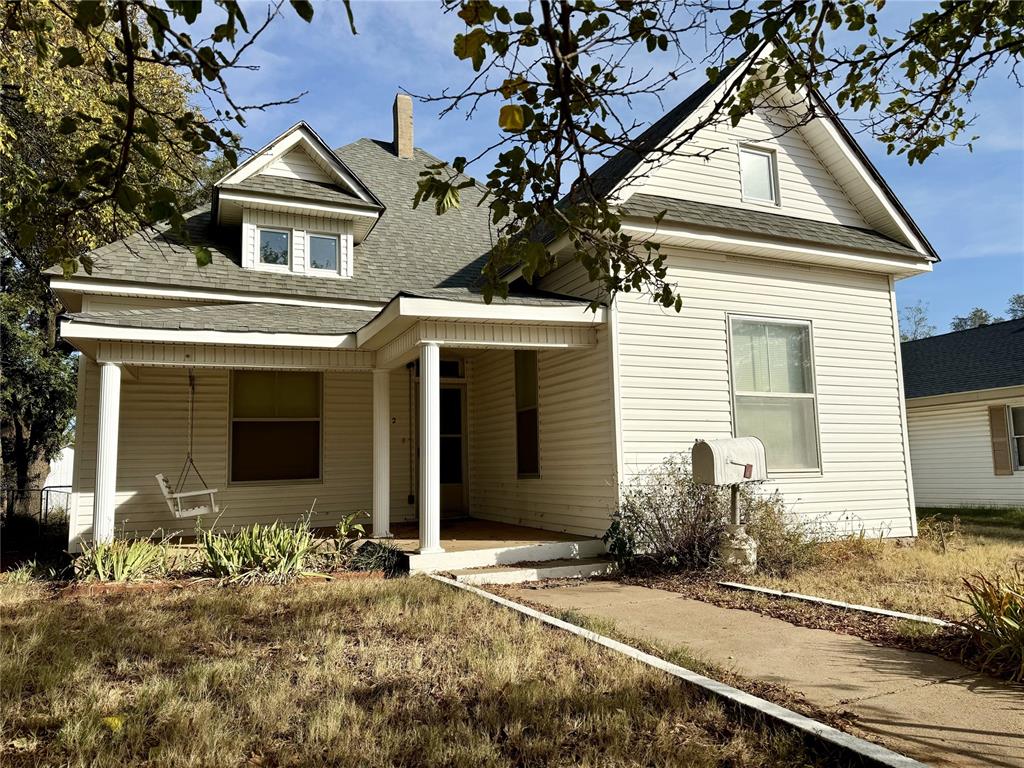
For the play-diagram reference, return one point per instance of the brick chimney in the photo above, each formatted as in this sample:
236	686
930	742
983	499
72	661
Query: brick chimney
403	125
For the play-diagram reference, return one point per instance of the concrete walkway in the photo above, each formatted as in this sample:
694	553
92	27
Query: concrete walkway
915	703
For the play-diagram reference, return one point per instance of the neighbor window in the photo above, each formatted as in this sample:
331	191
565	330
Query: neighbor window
773	390
275	247
527	429
275	426
323	252
758	175
1017	434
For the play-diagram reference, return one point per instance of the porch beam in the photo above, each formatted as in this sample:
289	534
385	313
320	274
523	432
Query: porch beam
223	356
430	449
381	453
106	453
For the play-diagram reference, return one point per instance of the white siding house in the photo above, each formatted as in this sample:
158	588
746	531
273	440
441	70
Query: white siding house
381	381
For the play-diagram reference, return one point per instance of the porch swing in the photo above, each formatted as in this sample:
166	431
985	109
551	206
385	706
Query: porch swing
179	500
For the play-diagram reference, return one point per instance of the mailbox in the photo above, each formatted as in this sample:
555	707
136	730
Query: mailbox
729	461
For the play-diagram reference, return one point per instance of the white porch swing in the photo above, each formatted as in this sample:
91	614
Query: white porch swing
179	500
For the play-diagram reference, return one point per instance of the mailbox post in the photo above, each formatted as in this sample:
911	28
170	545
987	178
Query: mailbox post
731	462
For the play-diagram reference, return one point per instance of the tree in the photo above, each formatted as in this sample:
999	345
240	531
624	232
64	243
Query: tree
914	322
973	319
1015	307
562	77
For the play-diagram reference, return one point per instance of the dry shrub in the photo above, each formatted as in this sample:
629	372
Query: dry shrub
940	535
785	543
996	627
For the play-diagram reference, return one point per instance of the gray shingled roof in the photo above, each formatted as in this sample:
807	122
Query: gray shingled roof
776	226
964	361
407	249
299	189
242	318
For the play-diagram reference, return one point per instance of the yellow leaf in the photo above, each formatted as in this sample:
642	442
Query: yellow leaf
113	723
511	118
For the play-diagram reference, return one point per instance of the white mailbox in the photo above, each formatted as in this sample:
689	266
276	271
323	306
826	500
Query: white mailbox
729	461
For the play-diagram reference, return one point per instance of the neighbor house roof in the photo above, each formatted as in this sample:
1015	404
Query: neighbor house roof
759	223
987	357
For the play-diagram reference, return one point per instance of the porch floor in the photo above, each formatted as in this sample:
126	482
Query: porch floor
467	534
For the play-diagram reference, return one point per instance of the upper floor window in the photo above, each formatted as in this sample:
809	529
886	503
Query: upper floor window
759	176
275	247
323	252
773	390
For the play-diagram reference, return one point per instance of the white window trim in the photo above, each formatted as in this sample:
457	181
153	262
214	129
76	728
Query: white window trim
339	269
319	480
773	165
260	264
813	394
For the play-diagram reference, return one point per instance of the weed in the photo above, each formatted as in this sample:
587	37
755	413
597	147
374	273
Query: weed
378	556
996	625
274	553
121	560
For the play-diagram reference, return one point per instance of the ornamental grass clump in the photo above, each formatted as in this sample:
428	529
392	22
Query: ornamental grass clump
996	627
273	553
122	560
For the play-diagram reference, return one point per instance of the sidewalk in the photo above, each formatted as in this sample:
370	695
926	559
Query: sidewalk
931	709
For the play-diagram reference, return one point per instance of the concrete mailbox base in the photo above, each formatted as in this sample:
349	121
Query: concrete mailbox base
738	552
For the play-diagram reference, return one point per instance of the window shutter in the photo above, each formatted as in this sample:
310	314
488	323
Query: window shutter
1000	433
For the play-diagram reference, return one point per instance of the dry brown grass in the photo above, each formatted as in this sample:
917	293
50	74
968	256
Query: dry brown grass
924	578
369	673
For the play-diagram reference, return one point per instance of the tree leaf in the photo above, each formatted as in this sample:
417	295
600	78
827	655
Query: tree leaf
304	8
204	256
70	56
511	118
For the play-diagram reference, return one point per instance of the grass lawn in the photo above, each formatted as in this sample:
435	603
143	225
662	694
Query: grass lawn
368	673
925	577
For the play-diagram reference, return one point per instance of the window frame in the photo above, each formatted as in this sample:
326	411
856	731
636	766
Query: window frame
734	392
319	479
1016	454
517	410
773	169
290	234
337	252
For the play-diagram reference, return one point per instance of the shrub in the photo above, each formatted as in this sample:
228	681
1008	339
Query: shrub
121	560
378	556
347	534
785	543
996	628
274	553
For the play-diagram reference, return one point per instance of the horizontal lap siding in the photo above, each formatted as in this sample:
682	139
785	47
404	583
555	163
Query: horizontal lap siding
674	379
153	438
297	164
575	491
951	454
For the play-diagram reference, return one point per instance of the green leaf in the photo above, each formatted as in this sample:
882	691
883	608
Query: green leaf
67	126
203	255
304	8
127	197
70	56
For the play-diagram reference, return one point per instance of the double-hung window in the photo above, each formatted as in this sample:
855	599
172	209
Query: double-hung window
275	426
527	422
773	390
323	252
759	177
1017	434
275	247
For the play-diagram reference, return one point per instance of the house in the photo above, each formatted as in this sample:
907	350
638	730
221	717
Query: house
337	349
965	416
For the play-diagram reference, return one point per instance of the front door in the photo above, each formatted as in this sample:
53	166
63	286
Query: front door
453	450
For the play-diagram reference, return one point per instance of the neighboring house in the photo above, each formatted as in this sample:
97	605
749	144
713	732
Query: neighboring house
341	351
965	413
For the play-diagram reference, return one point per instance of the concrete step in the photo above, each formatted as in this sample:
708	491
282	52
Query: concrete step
568	568
520	553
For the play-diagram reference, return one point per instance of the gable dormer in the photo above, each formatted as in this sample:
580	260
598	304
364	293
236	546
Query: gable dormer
300	209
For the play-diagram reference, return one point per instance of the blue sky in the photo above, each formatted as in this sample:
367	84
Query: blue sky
970	205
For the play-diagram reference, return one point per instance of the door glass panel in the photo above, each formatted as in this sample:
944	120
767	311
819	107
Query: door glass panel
451	411
451	459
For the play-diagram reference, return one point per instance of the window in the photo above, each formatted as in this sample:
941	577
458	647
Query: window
773	390
758	175
275	247
323	252
1017	434
275	426
527	429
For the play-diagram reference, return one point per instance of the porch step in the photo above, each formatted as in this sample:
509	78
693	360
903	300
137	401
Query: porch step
518	553
569	568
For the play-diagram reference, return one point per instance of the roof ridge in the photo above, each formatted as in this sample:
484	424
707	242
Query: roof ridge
966	330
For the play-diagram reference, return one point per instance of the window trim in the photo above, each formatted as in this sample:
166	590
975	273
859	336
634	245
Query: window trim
319	480
516	410
1015	452
813	394
291	248
773	168
337	252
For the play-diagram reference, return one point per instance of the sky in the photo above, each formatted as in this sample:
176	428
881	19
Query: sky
970	205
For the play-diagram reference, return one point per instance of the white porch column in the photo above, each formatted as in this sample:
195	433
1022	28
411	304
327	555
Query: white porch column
381	453
430	448
106	452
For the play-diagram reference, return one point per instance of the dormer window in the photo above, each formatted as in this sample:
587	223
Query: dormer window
323	252
759	177
275	247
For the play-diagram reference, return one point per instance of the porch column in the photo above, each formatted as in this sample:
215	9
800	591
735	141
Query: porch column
381	453
106	452
430	448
